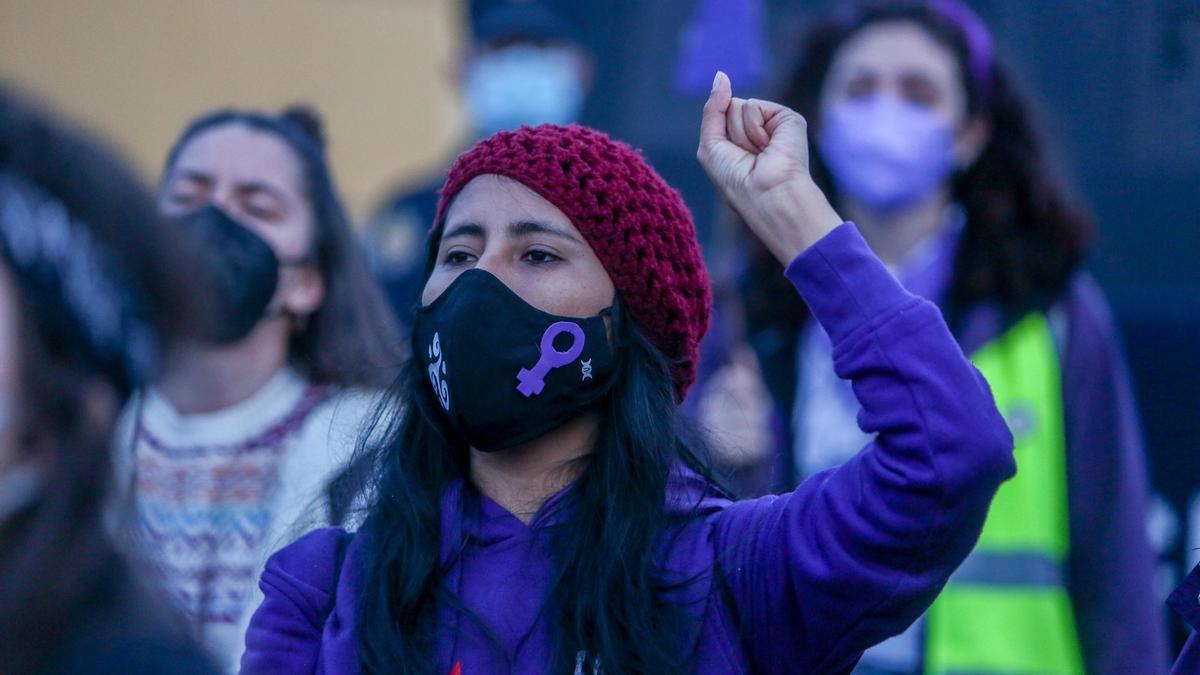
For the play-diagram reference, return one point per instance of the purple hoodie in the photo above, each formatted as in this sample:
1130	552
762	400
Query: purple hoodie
1185	600
801	582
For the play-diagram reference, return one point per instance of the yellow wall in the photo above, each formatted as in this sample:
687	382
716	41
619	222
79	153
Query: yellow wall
137	70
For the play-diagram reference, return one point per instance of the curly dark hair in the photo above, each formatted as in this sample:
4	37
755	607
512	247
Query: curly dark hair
1023	237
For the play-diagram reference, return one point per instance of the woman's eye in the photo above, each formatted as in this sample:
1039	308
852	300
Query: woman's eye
925	99
262	213
541	257
858	88
458	258
181	199
921	91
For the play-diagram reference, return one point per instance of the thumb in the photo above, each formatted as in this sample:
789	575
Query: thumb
712	119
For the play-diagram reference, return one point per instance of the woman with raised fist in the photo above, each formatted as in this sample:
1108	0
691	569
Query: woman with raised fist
538	508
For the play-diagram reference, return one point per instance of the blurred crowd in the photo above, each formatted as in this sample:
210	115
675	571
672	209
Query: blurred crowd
192	376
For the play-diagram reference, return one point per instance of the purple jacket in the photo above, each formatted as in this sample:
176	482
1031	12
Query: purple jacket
801	582
1110	563
1185	600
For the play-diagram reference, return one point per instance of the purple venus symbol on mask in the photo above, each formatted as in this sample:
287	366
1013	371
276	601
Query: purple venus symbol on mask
533	380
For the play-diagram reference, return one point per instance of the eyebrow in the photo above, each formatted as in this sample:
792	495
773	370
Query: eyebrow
464	230
243	187
194	175
523	228
252	186
520	228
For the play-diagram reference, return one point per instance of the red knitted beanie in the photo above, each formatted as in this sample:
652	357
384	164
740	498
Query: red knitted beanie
638	226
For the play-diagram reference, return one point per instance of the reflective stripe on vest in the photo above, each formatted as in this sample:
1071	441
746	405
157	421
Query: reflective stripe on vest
1006	610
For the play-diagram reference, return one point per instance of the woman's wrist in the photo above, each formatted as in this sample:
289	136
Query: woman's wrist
792	217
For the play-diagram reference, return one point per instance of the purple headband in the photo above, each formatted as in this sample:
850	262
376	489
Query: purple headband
981	50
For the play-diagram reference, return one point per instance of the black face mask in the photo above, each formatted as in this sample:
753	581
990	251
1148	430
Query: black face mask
504	371
241	270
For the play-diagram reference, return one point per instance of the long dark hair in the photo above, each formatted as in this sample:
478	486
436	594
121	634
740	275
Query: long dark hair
606	593
1023	237
59	571
352	340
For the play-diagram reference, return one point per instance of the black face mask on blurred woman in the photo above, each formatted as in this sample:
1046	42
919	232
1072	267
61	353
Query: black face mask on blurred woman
241	274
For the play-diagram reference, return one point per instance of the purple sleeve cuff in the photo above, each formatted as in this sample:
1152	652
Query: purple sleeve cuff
844	283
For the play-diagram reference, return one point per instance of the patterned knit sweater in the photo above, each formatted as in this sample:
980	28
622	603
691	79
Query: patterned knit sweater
216	493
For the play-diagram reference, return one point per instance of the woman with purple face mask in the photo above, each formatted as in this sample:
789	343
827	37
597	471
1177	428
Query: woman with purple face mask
922	140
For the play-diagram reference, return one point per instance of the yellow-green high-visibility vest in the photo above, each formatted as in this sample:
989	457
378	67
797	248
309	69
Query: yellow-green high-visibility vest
1006	609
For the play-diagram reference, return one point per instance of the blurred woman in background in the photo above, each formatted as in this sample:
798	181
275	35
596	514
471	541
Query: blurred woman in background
237	441
922	140
89	286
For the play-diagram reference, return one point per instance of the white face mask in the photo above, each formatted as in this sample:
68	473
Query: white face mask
523	84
